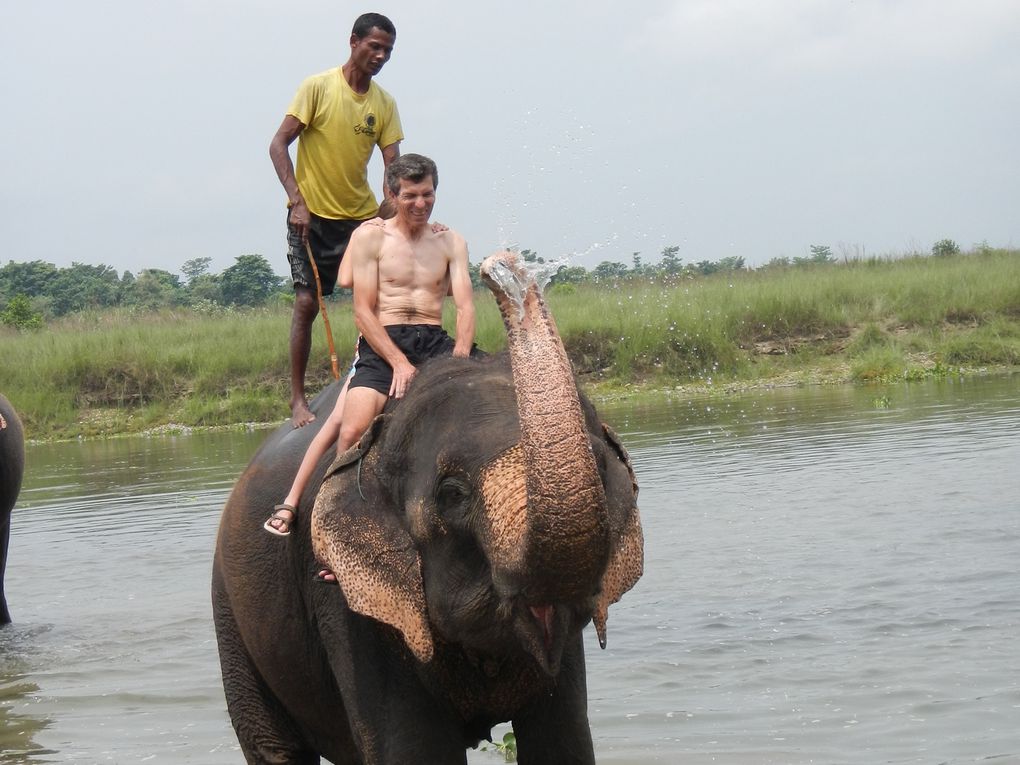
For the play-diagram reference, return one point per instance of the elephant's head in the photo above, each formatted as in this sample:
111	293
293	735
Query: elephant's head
490	508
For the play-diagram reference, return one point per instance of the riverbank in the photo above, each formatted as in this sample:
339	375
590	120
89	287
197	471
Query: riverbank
860	322
111	423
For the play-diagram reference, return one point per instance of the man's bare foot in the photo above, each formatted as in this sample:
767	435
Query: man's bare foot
327	576
300	414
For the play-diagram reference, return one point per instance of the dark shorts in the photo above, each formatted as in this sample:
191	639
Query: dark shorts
328	239
419	342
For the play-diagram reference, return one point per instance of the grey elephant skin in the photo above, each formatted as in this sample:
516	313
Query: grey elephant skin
476	528
12	469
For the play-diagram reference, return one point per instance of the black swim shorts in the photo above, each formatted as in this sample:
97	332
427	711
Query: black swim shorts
419	342
328	239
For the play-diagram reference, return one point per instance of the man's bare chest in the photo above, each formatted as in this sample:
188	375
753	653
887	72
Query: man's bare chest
404	266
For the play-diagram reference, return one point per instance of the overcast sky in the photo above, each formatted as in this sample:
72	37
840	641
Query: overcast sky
136	132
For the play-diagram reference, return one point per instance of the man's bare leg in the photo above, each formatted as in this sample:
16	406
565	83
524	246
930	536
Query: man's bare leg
360	408
306	308
285	513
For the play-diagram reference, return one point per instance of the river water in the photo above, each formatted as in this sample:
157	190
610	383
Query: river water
831	577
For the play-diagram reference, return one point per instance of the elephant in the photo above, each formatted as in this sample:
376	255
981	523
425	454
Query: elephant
477	527
12	469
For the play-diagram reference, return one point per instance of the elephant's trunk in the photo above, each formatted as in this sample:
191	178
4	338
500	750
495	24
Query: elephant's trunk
566	526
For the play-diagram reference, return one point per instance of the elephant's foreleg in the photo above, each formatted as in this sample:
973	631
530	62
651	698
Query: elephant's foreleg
555	730
394	718
264	730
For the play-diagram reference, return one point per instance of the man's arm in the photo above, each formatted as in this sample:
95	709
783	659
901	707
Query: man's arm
389	153
279	152
345	276
463	296
363	250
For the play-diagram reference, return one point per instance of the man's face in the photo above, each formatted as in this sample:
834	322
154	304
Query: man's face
370	52
415	200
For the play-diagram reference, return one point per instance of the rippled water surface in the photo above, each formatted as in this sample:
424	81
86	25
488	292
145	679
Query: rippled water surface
831	577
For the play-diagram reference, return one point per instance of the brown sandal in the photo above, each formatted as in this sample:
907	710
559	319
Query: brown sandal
286	522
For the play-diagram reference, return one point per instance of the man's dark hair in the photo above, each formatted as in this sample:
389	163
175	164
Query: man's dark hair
411	167
365	22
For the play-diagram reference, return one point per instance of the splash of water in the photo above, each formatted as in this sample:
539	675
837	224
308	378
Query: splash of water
515	281
542	273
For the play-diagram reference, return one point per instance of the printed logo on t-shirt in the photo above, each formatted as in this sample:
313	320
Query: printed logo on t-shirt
368	128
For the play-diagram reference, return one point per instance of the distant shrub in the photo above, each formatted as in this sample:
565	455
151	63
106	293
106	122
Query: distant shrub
870	337
945	247
565	288
878	364
19	314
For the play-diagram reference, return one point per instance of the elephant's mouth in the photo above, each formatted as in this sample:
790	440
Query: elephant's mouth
542	631
521	620
544	616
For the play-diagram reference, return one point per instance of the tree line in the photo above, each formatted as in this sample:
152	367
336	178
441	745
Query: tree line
35	292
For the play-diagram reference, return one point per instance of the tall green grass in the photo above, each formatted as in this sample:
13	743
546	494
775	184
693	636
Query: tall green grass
865	320
183	367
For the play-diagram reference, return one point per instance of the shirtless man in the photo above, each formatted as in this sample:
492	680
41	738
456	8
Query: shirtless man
402	270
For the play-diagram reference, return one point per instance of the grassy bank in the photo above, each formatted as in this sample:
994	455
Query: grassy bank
862	321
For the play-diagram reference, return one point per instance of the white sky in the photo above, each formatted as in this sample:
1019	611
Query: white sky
137	131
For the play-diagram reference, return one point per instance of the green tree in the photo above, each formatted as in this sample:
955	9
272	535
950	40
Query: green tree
945	247
608	272
19	313
475	272
731	263
204	288
638	268
83	286
570	275
671	265
250	281
195	268
781	262
821	253
31	279
154	288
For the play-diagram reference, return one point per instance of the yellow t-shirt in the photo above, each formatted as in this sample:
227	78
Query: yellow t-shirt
341	130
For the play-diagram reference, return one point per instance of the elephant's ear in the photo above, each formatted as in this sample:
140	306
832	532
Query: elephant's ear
358	533
626	555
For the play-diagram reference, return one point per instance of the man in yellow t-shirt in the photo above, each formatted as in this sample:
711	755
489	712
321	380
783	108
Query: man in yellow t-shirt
341	115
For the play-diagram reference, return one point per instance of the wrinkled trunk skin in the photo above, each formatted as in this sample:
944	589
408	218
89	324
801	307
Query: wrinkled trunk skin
566	542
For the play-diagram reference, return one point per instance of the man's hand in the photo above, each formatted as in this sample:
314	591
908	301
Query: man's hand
300	218
402	376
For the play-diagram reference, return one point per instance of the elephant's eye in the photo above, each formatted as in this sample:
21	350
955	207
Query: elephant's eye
451	494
